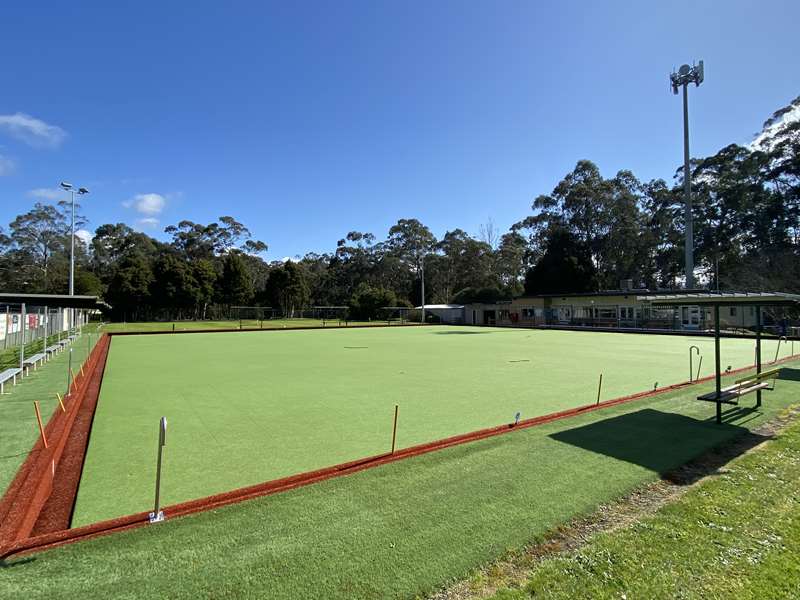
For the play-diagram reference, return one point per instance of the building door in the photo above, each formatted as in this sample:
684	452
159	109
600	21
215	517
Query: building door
474	317
690	317
489	317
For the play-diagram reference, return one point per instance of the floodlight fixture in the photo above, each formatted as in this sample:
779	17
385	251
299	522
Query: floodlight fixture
66	186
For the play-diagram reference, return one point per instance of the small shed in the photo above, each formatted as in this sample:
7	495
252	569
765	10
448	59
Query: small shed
452	314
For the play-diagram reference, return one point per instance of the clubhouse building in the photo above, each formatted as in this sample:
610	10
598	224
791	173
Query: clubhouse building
626	308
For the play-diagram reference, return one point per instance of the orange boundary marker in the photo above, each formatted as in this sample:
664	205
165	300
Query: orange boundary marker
39	420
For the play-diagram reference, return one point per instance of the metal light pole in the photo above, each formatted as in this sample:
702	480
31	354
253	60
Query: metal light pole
80	191
422	275
684	76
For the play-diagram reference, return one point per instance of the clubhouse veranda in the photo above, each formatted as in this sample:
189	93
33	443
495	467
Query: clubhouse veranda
626	308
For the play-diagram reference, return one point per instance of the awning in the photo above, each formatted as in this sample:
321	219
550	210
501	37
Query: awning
54	300
723	299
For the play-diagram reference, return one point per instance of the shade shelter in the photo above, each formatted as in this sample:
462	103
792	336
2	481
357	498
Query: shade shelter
34	318
54	300
716	300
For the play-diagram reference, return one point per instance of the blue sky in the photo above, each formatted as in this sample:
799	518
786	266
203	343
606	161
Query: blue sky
311	120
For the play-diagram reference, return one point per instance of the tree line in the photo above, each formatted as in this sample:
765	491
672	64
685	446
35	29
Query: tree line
588	234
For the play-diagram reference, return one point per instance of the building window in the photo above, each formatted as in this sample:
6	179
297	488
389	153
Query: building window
606	312
733	311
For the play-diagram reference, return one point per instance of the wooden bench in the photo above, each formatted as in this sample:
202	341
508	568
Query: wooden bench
6	375
32	361
742	387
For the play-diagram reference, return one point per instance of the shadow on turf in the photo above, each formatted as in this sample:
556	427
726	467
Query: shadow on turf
662	441
16	562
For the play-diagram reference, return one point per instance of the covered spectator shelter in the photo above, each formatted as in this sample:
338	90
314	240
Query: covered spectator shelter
25	317
759	300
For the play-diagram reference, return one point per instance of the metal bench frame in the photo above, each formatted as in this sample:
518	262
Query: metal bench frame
9	374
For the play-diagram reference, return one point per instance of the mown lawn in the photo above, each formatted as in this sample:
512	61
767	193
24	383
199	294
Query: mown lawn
18	428
735	536
249	407
409	528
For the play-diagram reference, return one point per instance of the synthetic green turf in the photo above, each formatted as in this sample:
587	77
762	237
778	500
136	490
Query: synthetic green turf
244	408
18	428
401	530
737	535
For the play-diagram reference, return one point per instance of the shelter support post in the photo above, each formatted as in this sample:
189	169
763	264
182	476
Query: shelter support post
23	318
718	370
758	350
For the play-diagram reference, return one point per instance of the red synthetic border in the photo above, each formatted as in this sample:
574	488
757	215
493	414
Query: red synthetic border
40	474
56	513
66	536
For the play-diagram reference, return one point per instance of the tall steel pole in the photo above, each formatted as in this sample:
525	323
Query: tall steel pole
687	192
72	247
422	274
68	187
682	78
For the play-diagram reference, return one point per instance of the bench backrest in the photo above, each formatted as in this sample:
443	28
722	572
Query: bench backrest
757	377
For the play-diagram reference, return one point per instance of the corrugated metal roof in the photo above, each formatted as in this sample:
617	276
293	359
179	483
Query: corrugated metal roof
726	298
53	300
441	306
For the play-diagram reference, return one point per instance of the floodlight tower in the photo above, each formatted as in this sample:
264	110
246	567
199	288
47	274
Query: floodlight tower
67	187
683	78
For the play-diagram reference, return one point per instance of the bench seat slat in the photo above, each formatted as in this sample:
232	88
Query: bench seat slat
732	395
9	373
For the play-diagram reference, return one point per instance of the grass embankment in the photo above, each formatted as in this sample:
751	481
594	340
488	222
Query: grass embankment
18	428
167	326
247	408
403	529
737	535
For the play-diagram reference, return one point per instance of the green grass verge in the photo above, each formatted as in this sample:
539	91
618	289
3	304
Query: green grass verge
400	530
18	428
735	536
247	408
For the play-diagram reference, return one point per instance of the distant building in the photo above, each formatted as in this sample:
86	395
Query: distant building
451	314
615	309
